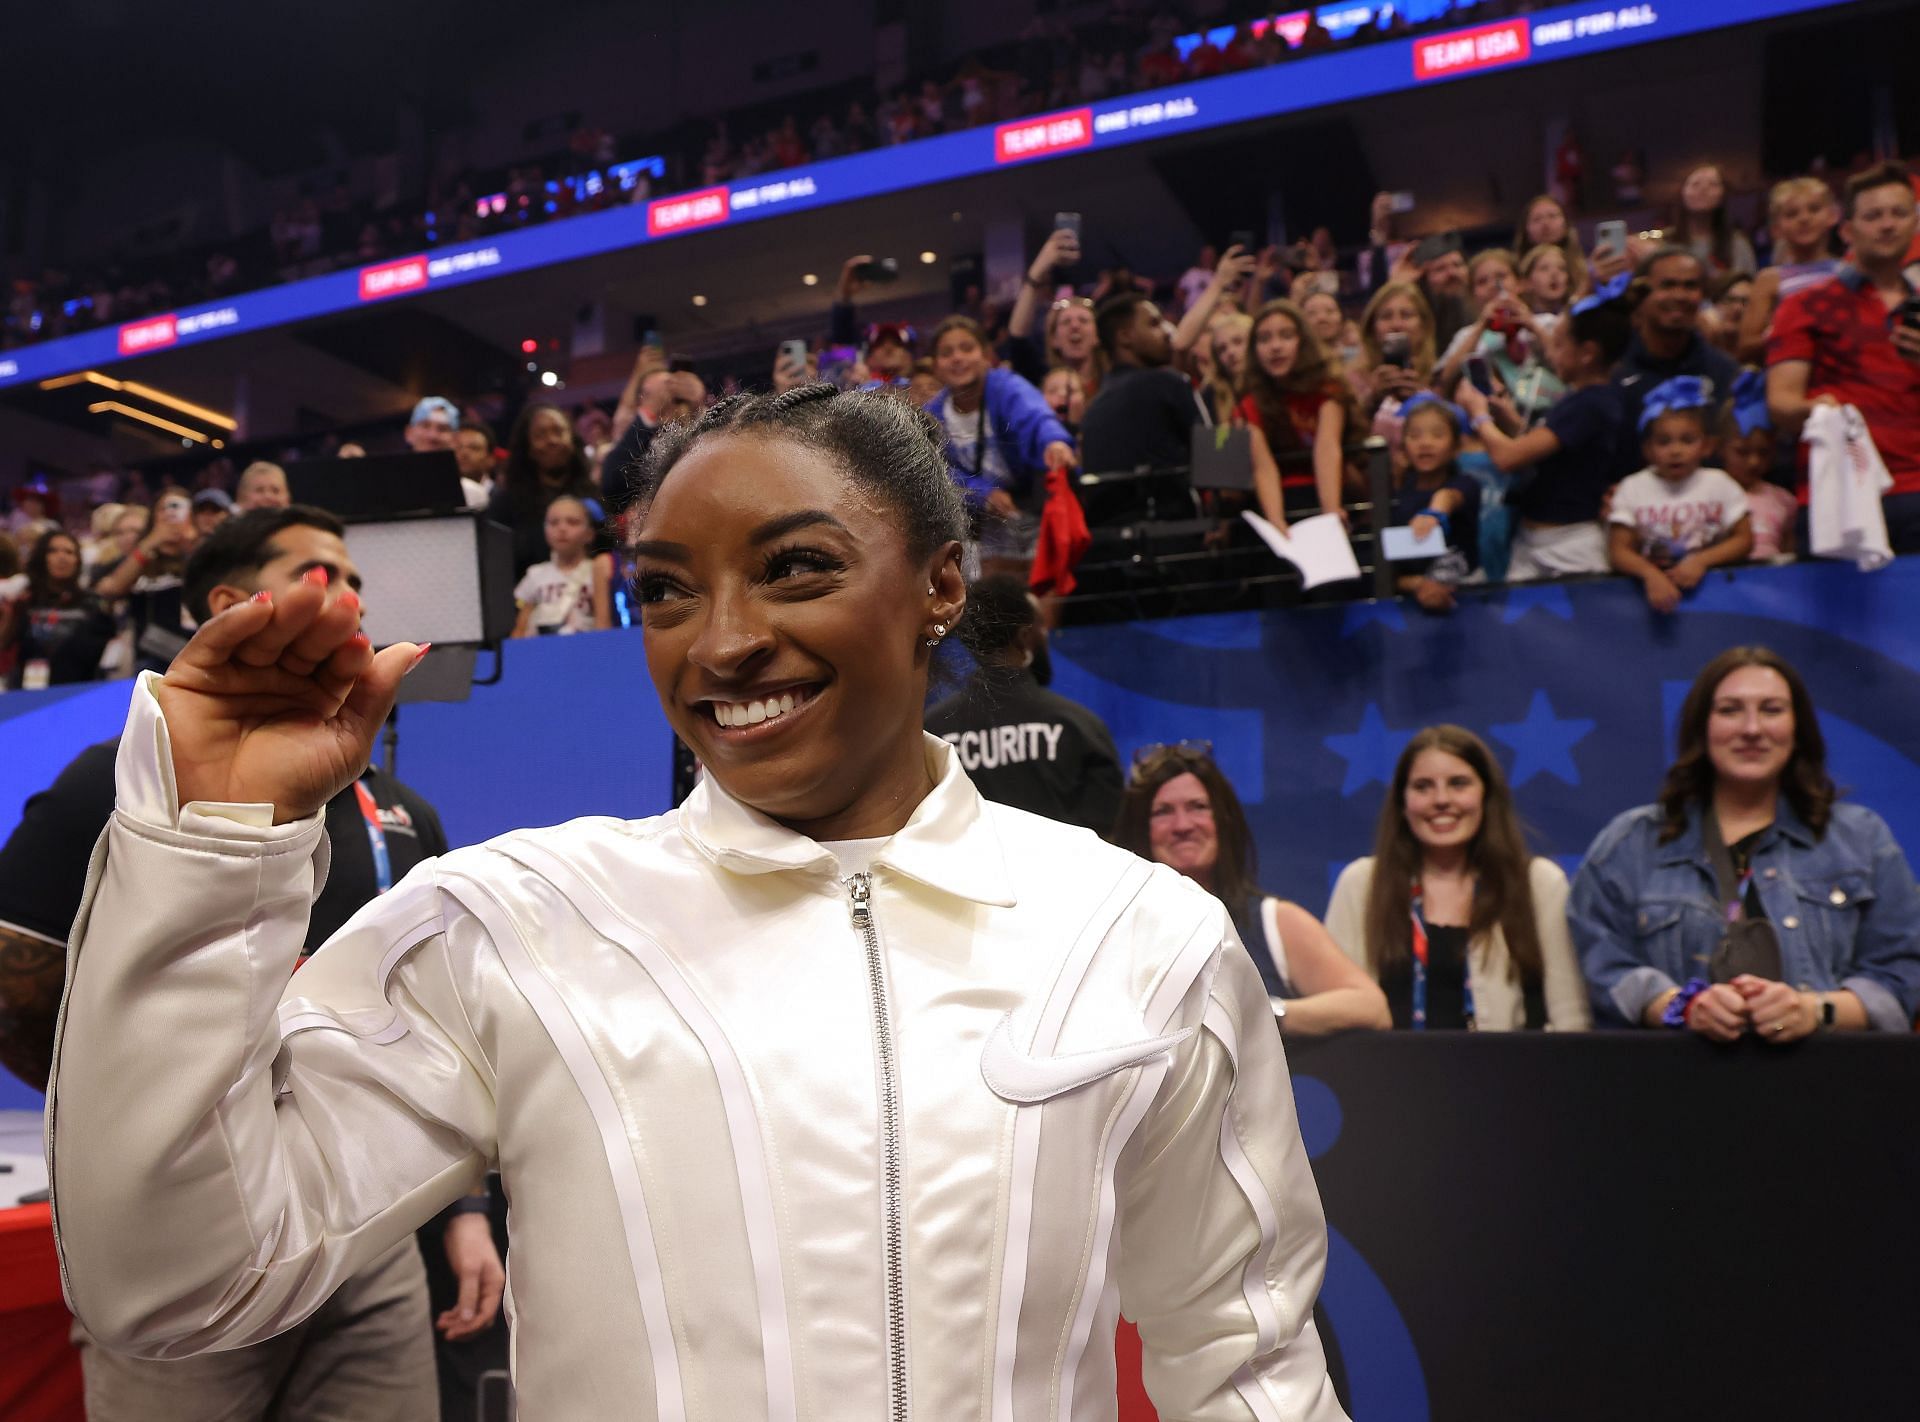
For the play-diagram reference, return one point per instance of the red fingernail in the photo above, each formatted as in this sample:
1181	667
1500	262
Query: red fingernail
264	595
360	639
316	576
418	657
349	598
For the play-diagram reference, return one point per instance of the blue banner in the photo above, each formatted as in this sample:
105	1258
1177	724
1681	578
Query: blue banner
1338	76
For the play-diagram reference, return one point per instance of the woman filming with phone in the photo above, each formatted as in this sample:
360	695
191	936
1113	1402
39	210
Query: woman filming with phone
150	579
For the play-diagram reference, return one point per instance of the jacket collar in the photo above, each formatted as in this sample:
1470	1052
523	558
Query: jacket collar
949	844
1691	847
1857	281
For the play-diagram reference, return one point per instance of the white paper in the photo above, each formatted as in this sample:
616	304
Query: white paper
1400	545
1317	546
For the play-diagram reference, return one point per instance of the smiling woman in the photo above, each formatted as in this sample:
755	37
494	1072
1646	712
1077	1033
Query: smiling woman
837	1092
1749	899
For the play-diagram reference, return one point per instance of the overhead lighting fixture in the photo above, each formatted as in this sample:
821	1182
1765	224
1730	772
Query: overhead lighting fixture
114	407
145	392
529	346
928	258
547	377
699	300
810	279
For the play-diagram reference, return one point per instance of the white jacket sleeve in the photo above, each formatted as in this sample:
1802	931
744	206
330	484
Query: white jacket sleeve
221	1161
1223	1243
1347	910
1568	1009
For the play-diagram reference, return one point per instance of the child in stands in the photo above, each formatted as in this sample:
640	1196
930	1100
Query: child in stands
1675	520
1433	493
1574	452
1747	454
572	591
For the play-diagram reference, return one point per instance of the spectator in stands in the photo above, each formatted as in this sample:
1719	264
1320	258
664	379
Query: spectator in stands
573	590
1802	214
1063	392
1674	520
1023	745
1702	226
263	485
1854	339
1376	266
211	508
1671	284
123	534
473	453
1746	453
1545	224
1726	310
1195	280
654	396
1575	452
432	425
1747	899
149	578
1181	811
1228	336
1295	404
889	348
1433	494
1546	283
1397	354
1070	335
54	631
1506	336
1459	925
1144	412
543	463
1442	264
1338	336
1001	438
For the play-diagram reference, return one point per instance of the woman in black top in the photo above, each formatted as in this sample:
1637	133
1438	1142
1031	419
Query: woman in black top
544	461
1179	810
55	620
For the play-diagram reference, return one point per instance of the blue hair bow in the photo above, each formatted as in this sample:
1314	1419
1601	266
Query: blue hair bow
1427	397
1682	392
1602	294
1750	403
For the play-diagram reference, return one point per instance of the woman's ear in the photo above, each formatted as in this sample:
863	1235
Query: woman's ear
948	584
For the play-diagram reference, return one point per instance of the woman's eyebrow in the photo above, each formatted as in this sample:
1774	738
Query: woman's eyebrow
787	523
667	552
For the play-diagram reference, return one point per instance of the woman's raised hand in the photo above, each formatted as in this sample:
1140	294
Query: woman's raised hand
278	700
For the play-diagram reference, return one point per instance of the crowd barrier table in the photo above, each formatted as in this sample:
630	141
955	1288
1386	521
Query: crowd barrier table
39	1371
1613	1225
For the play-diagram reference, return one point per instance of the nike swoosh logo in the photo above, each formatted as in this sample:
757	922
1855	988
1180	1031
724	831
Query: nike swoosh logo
1016	1076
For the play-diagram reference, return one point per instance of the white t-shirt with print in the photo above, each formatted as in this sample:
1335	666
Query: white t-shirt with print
561	598
1672	520
963	435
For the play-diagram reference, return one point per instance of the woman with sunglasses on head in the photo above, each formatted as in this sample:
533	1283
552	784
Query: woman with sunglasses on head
1450	914
1749	898
837	1092
1181	811
1068	334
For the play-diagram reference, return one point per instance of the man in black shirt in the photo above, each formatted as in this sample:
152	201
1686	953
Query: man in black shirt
368	1352
1022	745
1667	340
1144	413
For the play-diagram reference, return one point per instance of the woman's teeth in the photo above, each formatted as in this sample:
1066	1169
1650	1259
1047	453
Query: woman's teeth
752	713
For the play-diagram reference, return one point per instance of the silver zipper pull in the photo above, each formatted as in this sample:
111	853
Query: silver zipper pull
860	898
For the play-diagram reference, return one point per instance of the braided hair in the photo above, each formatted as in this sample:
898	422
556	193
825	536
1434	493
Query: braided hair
884	445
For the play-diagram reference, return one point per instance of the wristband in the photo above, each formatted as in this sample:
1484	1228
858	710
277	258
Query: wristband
140	557
1675	1013
1034	282
1480	421
1438	517
470	1205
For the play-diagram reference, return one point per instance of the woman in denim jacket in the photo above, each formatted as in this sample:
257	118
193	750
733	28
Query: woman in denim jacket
1646	914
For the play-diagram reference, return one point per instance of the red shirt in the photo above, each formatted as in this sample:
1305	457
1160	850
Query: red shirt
1303	414
1844	331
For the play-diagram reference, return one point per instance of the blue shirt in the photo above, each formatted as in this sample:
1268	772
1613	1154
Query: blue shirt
1569	484
1646	916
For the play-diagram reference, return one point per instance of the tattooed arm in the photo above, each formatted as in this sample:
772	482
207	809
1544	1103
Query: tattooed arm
32	971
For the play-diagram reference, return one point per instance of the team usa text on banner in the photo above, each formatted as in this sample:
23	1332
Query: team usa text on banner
1462	51
1050	133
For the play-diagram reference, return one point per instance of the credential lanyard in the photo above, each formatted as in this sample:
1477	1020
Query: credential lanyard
376	837
1420	953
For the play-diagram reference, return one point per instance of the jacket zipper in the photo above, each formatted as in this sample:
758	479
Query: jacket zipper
893	1203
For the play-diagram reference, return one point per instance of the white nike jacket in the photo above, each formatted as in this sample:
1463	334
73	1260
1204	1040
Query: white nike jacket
776	1146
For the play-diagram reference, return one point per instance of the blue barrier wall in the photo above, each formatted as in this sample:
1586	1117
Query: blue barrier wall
1575	685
